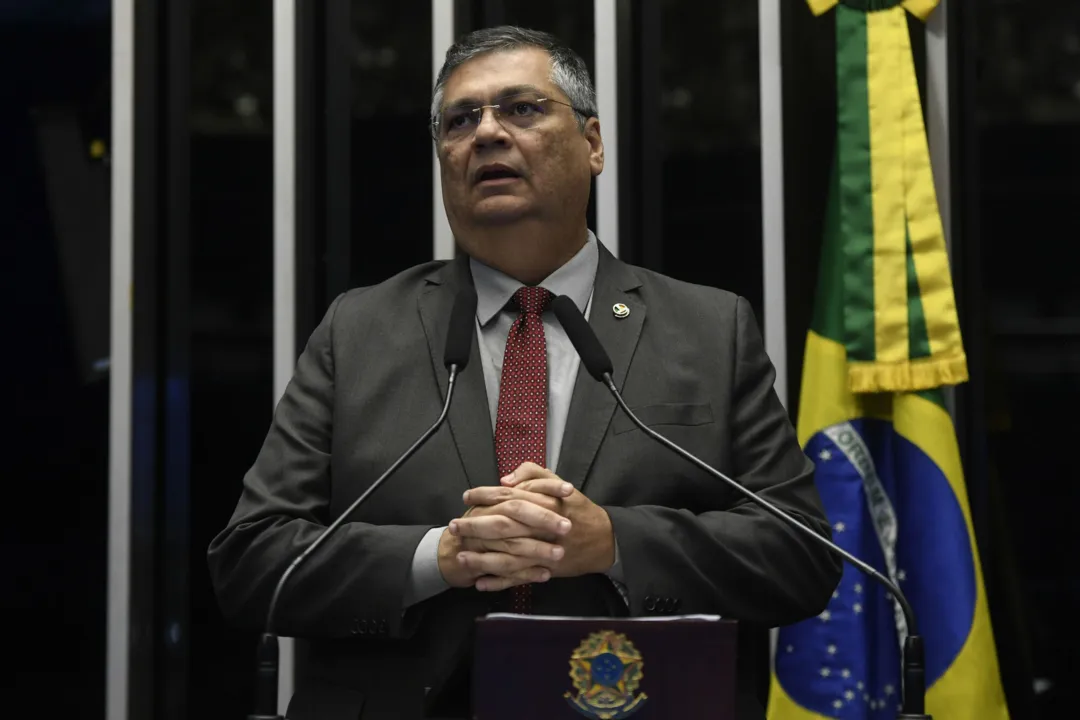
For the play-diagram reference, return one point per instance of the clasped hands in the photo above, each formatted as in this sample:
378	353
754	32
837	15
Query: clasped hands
531	527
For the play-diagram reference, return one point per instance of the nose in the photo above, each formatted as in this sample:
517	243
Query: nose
489	130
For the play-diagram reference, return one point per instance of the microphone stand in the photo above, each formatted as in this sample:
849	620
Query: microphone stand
266	679
913	705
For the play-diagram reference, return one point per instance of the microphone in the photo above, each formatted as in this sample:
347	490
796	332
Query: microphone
598	364
458	347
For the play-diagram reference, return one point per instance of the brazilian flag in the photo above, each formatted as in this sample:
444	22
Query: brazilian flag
883	343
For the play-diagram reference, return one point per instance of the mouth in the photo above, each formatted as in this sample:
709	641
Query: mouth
496	175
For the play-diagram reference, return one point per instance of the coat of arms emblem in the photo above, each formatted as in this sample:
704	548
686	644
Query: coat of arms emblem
606	670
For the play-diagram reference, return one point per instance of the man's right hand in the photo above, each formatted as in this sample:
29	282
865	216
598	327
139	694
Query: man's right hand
505	538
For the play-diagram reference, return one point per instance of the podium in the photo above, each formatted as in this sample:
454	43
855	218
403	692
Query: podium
528	667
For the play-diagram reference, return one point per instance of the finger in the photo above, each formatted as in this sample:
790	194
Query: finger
538	551
487	495
474	544
489	527
552	487
496	583
554	504
541	550
525	471
485	498
495	563
540	519
501	527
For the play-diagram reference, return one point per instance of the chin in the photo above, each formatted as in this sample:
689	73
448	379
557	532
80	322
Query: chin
500	211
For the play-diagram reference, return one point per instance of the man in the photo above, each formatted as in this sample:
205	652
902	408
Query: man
474	522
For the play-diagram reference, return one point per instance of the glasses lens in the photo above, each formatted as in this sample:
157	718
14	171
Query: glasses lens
522	111
457	122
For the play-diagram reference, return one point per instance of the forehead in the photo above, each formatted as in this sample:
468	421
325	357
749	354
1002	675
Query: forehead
484	77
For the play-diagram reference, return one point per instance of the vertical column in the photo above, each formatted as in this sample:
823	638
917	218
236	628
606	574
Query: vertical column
772	205
122	169
607	99
336	68
442	37
772	191
284	245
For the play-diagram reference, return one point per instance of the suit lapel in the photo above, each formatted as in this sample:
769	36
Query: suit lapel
592	406
469	419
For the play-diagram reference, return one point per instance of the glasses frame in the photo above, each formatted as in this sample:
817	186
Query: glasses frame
479	109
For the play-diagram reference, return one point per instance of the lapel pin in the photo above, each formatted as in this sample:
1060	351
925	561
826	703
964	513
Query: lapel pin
620	310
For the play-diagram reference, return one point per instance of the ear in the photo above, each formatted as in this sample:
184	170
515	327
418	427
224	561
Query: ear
596	145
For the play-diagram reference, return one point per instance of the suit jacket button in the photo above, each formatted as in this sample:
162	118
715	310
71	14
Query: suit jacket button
650	603
363	627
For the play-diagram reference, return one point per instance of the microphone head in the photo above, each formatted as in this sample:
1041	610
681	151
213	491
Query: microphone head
459	334
592	353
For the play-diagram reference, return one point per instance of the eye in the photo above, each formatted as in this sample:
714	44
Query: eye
524	108
457	119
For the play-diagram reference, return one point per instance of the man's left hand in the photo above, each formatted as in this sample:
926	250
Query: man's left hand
590	544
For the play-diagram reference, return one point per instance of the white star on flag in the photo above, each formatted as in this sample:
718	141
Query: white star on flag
889	689
858	587
845	673
826	672
791	648
825	615
837	704
859	685
831	649
901	575
825	455
839	527
857	608
849	695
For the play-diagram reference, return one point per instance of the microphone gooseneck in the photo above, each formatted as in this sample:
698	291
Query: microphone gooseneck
458	348
598	364
270	613
593	355
459	331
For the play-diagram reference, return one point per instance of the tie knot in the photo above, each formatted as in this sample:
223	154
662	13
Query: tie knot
533	299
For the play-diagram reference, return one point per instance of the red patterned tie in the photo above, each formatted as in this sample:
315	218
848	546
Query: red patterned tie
521	423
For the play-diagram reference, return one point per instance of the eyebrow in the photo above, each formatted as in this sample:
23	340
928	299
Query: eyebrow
504	92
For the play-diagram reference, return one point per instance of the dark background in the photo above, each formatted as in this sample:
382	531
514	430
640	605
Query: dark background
690	158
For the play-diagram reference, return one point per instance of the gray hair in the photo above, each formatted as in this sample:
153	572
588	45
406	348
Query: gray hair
568	71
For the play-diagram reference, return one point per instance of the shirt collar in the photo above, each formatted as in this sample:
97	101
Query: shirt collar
574	279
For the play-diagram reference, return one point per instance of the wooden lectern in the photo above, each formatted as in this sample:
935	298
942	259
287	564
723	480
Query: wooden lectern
529	667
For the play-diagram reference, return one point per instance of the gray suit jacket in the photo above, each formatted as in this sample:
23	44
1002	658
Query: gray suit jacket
689	359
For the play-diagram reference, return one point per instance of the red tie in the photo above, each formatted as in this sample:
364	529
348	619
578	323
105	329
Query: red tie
521	423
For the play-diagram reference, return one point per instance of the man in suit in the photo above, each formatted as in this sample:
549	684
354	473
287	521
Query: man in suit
474	522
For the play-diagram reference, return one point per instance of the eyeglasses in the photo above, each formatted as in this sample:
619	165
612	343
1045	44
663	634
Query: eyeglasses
523	111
